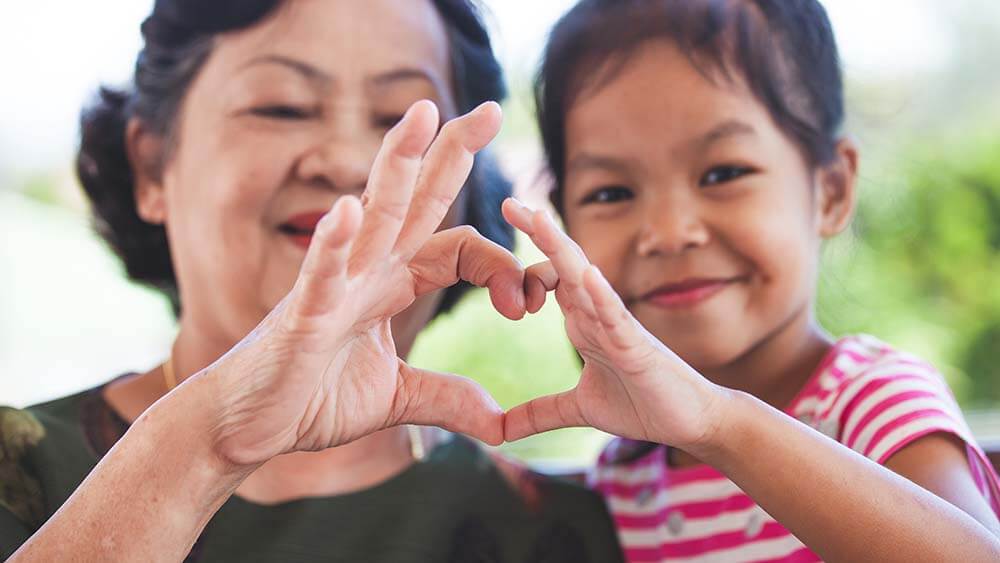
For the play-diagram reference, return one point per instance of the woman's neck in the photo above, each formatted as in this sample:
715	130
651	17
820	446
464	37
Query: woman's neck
348	468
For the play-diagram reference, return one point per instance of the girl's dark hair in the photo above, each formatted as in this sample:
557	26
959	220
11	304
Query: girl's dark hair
782	50
178	40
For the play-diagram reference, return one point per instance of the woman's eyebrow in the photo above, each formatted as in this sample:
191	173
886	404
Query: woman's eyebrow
307	70
403	74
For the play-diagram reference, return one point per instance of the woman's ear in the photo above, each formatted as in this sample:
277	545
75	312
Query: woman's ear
145	154
837	190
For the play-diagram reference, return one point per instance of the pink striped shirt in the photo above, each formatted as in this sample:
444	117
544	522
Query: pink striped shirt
866	395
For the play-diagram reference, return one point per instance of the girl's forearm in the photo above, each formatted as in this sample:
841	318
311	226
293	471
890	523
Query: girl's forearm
150	497
842	505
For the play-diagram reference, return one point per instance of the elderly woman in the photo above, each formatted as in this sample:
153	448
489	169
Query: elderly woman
230	179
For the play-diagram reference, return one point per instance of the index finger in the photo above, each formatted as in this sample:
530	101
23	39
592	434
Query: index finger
445	170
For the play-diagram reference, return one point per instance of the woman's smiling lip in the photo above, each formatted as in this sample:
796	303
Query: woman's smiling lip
687	293
300	228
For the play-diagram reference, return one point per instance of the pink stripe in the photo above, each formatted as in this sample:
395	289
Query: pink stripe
725	540
803	555
859	379
902	421
629	490
881	407
704	509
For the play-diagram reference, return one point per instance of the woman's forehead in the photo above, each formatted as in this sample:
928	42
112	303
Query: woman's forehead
347	40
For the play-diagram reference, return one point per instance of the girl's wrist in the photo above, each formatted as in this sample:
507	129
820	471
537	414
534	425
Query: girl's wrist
723	408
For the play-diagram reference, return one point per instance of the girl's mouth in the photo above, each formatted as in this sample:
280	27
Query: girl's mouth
687	293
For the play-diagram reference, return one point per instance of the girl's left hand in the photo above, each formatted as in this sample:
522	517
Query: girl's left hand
631	385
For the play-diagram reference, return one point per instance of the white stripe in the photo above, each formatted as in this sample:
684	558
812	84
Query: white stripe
894	438
858	384
695	528
702	491
772	548
888	390
889	415
626	475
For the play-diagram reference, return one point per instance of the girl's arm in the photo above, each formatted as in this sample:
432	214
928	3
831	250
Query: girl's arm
842	505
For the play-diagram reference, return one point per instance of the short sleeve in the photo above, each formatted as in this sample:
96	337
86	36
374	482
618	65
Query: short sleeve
21	499
13	533
893	403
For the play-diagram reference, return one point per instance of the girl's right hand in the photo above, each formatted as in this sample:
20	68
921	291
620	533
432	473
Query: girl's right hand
631	385
321	370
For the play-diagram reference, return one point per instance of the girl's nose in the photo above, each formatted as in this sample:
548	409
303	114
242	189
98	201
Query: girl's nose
671	227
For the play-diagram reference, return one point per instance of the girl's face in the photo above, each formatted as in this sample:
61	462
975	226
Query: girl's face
703	216
284	118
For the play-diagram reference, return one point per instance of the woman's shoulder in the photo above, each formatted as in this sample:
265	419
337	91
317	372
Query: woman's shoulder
43	456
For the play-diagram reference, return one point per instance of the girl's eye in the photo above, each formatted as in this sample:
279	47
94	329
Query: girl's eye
610	194
723	174
282	112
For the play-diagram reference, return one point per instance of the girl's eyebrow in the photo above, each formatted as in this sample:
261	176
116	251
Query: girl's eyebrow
584	161
729	128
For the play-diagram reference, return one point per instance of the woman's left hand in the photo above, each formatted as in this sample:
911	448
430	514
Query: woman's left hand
631	385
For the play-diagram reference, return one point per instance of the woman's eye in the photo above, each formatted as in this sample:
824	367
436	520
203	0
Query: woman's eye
388	121
723	174
282	112
611	194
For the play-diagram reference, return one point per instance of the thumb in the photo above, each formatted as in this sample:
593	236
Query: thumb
543	414
455	403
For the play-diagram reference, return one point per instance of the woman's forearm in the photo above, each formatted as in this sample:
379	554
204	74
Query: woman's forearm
842	505
150	497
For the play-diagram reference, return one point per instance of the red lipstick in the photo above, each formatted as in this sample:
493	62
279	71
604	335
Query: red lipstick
300	228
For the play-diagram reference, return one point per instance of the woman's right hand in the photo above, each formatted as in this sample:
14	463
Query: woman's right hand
321	370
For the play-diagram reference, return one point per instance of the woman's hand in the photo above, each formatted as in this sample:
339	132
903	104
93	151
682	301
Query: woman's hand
321	370
631	385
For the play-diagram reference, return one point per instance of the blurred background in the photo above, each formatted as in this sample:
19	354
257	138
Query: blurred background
920	269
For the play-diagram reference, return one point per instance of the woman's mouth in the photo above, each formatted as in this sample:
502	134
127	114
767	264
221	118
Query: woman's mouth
687	293
300	228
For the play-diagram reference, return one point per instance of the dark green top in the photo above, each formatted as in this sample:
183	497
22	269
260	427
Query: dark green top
455	505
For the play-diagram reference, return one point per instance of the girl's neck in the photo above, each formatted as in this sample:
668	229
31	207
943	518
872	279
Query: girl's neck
778	367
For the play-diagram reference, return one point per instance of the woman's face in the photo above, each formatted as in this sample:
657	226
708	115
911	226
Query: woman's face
283	119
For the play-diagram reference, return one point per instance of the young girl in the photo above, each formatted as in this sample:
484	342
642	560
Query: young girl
699	165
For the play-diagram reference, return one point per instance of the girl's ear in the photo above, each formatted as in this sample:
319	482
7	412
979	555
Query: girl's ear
145	154
837	183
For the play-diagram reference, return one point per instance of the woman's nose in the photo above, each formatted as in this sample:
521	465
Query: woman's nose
339	162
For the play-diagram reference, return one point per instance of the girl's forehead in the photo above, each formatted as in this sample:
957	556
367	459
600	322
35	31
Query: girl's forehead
659	96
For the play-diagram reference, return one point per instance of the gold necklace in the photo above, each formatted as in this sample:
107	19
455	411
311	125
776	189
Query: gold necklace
169	379
417	448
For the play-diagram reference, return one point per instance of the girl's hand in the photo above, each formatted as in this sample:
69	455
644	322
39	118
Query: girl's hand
321	370
631	385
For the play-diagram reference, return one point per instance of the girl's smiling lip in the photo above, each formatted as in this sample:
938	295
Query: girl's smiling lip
300	228
688	293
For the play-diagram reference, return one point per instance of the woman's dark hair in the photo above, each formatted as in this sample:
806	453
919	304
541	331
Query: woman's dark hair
783	51
178	40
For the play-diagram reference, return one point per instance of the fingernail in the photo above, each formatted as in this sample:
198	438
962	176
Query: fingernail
520	205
